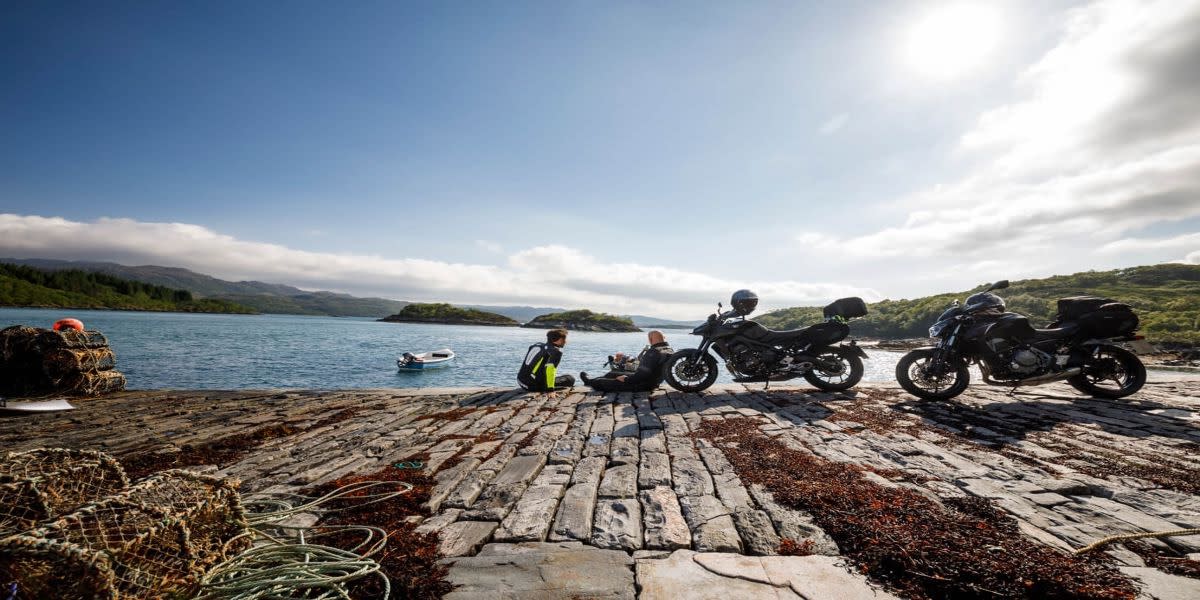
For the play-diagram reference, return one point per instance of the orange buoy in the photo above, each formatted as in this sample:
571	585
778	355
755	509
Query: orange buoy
62	324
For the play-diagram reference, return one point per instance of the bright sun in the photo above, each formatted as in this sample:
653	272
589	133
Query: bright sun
951	39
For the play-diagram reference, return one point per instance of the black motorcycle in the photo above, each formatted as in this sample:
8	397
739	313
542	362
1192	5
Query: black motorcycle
754	353
1080	346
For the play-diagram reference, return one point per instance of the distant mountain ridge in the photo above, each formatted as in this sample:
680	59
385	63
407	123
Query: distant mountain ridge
263	297
275	298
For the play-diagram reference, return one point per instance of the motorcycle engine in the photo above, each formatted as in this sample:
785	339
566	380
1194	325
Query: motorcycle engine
752	361
1028	360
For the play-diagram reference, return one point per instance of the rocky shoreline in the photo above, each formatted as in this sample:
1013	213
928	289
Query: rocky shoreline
624	495
437	321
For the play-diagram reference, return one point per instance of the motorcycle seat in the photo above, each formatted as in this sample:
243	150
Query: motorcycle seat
773	336
1067	330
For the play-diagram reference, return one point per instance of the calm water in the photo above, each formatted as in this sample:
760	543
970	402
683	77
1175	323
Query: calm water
202	351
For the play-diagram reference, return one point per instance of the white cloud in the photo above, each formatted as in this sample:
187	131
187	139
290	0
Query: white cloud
1104	143
554	275
834	124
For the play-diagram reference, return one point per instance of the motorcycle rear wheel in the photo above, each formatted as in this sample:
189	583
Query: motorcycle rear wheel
912	374
690	371
848	375
1110	363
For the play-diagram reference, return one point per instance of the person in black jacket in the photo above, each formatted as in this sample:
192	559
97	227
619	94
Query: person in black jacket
538	372
648	374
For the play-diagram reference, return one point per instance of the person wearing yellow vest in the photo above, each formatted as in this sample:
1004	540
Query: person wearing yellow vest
538	371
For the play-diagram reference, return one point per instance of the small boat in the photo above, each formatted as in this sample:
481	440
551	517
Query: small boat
425	360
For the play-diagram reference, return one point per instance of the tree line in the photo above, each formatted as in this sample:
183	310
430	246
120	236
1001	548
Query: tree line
72	288
1166	298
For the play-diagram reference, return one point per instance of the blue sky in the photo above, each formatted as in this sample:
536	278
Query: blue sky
637	157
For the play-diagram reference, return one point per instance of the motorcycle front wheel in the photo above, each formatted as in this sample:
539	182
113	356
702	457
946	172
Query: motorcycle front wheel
848	373
1110	372
913	373
690	371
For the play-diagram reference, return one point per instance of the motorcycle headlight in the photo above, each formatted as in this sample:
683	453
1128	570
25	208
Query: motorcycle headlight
936	330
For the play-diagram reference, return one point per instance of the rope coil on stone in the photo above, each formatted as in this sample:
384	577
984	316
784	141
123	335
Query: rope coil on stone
1135	536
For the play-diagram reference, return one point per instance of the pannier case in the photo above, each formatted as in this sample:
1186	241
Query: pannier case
1110	320
848	308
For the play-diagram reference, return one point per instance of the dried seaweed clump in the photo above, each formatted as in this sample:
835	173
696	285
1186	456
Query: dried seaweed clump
410	559
789	547
911	544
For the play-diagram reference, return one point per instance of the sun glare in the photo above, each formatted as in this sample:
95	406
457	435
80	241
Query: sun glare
951	39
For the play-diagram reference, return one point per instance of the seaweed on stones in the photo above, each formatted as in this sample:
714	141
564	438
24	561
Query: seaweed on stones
920	549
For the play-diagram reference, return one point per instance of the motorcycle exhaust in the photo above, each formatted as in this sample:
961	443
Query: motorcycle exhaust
1040	379
1036	380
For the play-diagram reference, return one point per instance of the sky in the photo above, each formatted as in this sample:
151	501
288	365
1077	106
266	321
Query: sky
631	157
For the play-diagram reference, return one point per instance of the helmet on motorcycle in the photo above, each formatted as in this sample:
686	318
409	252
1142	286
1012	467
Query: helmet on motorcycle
744	302
983	301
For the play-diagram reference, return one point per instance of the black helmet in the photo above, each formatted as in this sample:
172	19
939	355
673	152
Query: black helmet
983	301
744	302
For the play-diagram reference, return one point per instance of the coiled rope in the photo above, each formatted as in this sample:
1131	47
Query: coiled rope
1135	536
286	561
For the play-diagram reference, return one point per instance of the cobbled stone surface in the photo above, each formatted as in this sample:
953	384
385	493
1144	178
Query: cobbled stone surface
624	472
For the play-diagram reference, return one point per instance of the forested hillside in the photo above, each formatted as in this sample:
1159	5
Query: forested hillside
27	286
1166	298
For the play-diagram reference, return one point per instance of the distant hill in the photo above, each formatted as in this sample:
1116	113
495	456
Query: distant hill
448	315
1166	298
582	320
22	285
523	314
262	297
656	322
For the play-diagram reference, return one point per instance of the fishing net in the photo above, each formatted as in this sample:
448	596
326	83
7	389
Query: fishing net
47	483
154	539
37	361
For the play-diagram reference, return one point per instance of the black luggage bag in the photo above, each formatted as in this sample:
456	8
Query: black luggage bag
848	308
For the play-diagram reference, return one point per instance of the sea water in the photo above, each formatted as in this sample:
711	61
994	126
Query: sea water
211	351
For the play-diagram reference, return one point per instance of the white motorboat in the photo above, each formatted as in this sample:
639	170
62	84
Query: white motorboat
425	360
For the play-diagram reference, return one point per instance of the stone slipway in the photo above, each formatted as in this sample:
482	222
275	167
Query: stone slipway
586	495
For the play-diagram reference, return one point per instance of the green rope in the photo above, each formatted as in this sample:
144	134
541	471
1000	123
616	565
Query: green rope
288	562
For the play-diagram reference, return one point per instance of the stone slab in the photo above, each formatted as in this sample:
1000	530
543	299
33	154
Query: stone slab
665	527
545	571
618	524
463	538
531	518
619	482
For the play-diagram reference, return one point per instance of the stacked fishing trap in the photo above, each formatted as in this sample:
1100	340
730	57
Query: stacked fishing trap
36	361
73	527
87	533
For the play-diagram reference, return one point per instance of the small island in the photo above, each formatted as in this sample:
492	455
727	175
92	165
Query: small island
446	314
582	320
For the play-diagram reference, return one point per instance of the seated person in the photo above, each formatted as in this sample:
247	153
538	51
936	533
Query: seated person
649	371
539	370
